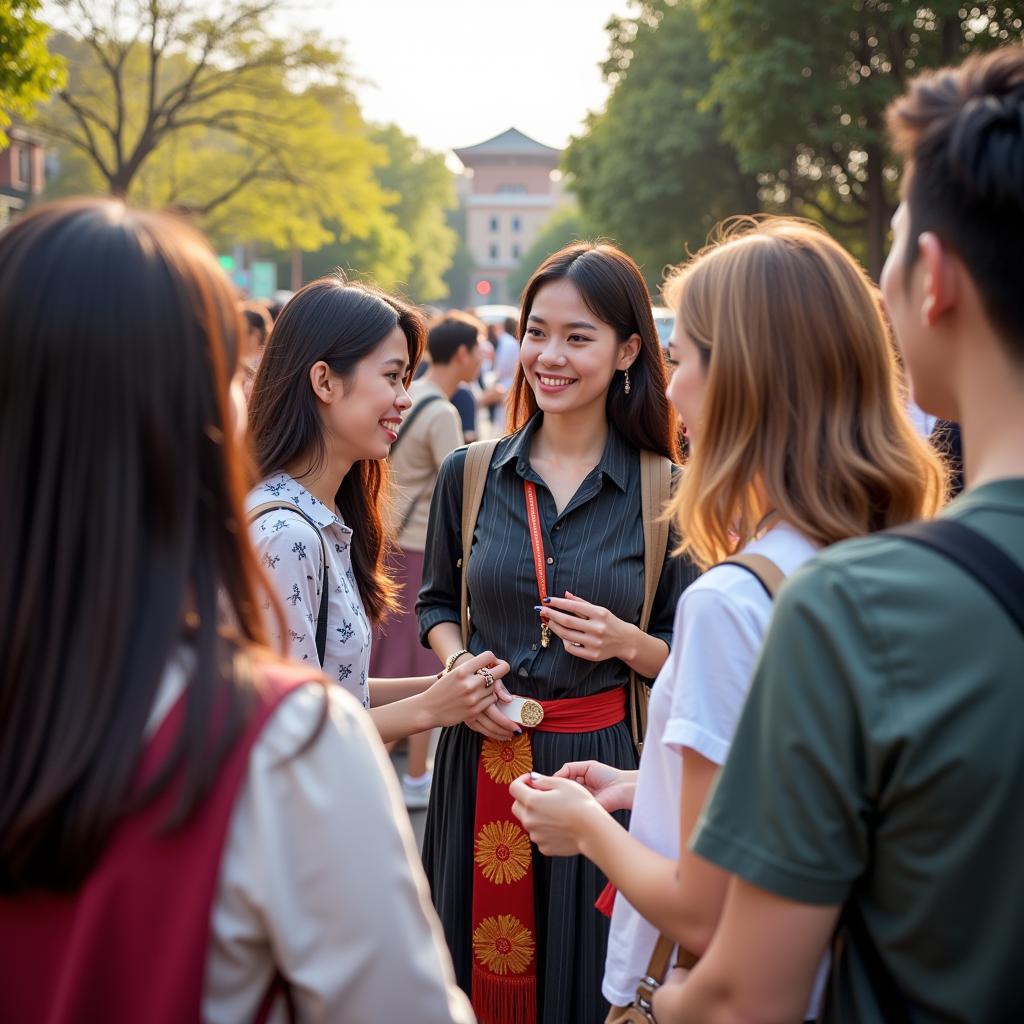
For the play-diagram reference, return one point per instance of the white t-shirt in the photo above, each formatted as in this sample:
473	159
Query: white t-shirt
720	625
289	549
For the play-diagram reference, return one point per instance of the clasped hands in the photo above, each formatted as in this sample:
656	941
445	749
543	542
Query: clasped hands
559	811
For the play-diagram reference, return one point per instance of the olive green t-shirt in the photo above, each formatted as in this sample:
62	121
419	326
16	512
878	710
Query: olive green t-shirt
880	758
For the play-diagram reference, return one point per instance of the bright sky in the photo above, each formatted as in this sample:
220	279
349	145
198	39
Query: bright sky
456	72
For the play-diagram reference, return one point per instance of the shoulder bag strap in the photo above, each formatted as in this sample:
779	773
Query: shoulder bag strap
655	491
992	566
321	616
474	480
764	570
657	968
417	498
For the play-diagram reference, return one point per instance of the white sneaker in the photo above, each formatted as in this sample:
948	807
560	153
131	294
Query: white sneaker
416	793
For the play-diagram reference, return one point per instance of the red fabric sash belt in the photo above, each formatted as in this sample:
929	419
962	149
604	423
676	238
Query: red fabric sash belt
504	989
584	714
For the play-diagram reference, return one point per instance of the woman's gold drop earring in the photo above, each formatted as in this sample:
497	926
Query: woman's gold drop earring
625	382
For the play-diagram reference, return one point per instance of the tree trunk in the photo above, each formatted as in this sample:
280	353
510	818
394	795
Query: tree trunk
296	269
878	211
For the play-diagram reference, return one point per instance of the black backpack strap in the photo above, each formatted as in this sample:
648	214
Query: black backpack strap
993	567
411	418
321	616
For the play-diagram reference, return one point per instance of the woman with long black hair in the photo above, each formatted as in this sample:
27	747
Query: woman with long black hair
174	845
556	584
326	406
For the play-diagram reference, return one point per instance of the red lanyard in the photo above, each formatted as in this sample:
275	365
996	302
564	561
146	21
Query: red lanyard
537	540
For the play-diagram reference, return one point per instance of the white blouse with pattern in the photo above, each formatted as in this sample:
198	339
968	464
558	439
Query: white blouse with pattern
289	549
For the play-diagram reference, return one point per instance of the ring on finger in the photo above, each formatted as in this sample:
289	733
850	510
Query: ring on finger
576	644
488	678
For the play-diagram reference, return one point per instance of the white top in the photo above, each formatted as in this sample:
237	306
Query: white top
289	549
924	423
506	358
320	878
721	621
506	364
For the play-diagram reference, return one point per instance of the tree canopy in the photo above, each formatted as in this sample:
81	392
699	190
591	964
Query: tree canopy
28	71
651	169
803	86
203	109
720	107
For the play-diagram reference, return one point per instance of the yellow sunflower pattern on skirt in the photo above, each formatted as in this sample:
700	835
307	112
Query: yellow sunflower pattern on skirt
505	760
502	852
503	944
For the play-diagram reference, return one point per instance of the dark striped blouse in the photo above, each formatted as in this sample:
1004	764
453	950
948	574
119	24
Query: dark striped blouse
594	549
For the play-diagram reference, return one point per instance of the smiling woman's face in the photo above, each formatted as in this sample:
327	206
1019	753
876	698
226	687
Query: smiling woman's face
364	419
568	355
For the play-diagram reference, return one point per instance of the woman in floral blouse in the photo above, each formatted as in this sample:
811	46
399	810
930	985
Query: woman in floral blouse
326	406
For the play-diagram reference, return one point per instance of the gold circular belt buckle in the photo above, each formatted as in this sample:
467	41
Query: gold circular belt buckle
531	714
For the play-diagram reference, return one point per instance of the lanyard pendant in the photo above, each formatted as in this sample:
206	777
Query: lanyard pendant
545	634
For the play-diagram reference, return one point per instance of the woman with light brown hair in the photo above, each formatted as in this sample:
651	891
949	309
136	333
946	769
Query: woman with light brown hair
787	383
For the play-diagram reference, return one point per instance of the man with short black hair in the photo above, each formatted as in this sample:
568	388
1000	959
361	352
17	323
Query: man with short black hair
876	778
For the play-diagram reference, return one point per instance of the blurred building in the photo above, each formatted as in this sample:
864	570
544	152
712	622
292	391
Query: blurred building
511	187
22	171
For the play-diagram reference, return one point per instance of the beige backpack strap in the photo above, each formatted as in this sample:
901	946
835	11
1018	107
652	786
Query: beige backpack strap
655	491
474	480
767	573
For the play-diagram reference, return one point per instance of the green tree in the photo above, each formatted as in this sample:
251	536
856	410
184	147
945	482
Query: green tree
411	247
651	169
565	225
28	71
460	270
803	86
258	136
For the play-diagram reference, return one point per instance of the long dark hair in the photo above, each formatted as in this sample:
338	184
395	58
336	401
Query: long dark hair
340	324
121	523
613	289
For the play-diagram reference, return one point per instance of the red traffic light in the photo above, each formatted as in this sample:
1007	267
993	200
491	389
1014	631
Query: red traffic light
483	287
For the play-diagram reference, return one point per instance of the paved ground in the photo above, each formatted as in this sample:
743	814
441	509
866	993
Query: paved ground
418	818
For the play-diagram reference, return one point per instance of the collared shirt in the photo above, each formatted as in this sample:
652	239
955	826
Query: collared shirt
289	549
594	548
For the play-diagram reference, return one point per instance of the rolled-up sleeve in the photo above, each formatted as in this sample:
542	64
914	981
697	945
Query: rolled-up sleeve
440	597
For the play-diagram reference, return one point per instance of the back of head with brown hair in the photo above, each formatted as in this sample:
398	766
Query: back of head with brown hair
803	415
962	132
